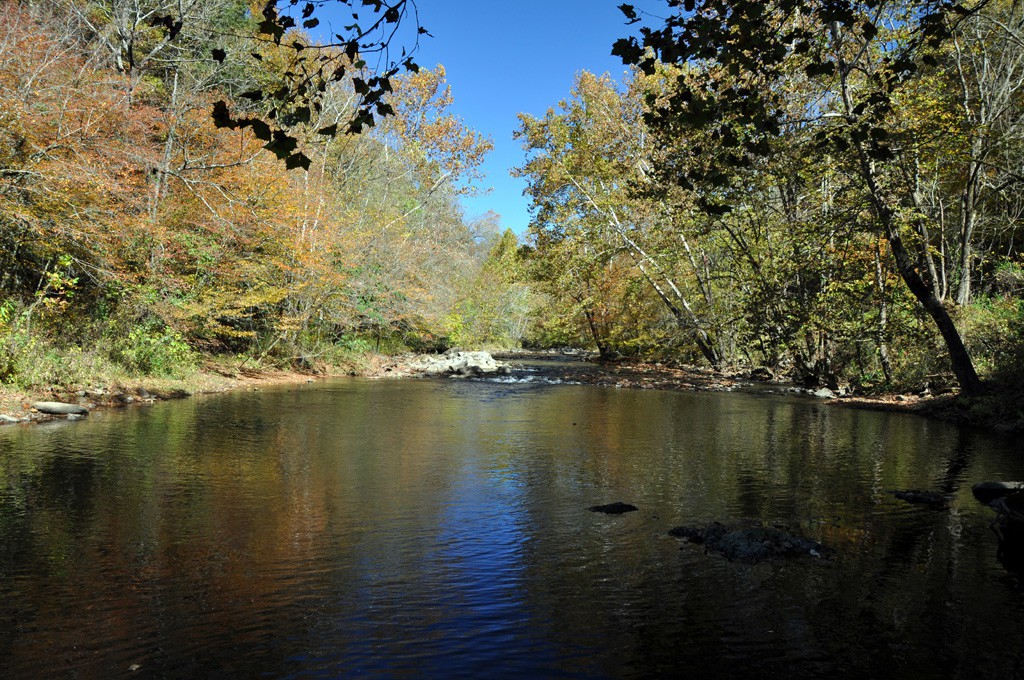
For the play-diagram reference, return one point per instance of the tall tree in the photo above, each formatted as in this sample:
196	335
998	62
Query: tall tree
854	59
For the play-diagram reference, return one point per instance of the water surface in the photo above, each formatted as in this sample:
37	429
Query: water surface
440	529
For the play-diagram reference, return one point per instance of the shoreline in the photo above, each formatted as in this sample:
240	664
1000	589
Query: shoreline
16	404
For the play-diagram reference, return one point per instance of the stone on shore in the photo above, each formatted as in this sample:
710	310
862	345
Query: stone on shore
58	408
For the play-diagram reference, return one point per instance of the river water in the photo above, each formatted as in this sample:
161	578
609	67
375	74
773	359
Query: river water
439	528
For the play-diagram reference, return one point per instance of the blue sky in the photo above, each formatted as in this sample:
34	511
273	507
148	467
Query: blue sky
504	57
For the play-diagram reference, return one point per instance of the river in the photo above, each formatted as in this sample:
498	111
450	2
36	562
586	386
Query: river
439	528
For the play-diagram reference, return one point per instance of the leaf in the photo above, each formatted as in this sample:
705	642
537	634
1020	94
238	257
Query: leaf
329	131
630	13
252	95
219	54
297	160
311	23
222	116
259	129
282	145
271	28
628	50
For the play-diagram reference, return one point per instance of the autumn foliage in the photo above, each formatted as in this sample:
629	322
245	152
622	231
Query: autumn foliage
132	224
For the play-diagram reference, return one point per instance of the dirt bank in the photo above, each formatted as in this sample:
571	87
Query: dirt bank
1001	410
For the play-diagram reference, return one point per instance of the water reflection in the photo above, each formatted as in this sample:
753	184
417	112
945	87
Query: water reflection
440	529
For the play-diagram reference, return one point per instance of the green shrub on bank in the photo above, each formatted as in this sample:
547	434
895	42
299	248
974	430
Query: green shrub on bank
993	329
30	361
153	349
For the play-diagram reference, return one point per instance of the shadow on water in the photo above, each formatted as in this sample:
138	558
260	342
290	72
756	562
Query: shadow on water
440	529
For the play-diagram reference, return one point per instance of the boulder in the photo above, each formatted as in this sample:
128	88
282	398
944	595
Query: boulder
750	544
987	492
4	418
465	364
616	508
59	408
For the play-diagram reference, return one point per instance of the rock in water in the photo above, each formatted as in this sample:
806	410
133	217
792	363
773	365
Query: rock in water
936	500
59	408
986	492
616	508
749	544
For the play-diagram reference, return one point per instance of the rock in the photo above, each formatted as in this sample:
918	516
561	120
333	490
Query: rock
144	393
4	418
824	393
616	508
762	374
931	498
455	363
987	492
749	544
75	416
59	408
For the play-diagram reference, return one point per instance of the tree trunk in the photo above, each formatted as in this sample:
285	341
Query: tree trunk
969	209
908	266
602	349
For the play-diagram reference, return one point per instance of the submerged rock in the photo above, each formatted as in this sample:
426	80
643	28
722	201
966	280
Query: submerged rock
752	544
59	408
616	508
936	500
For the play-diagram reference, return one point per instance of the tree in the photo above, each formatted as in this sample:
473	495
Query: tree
851	61
584	161
342	58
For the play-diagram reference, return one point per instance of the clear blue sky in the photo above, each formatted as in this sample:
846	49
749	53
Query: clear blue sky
504	57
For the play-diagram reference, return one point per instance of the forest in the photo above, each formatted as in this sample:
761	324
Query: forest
828	191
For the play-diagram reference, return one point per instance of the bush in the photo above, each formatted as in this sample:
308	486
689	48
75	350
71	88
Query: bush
993	329
153	349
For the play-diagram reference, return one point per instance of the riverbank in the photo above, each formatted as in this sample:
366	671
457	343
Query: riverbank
1001	410
16	404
